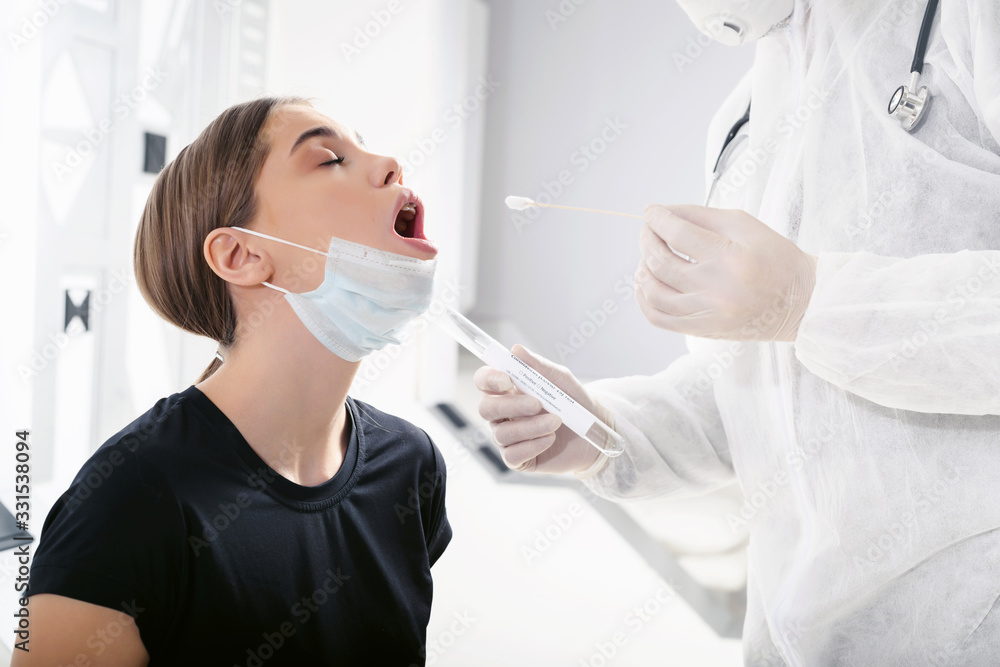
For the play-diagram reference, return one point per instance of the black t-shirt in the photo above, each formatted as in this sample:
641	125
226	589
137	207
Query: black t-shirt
178	522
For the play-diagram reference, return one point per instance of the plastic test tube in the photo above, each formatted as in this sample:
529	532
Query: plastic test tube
577	418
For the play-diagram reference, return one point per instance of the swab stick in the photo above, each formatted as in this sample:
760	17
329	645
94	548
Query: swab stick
521	203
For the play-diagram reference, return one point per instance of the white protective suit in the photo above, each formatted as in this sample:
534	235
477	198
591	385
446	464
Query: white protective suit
869	449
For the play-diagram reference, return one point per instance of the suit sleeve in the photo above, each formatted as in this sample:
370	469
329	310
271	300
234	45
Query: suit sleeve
676	445
917	334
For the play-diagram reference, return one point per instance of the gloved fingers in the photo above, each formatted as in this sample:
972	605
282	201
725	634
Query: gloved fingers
511	432
696	306
491	381
661	262
655	317
697	237
664	319
657	293
558	375
522	456
549	369
509	406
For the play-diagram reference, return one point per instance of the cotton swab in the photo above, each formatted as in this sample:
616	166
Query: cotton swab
521	203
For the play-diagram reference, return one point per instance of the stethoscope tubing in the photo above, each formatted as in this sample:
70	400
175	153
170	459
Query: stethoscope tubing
916	68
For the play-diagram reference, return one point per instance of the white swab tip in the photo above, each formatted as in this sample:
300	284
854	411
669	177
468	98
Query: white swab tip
518	203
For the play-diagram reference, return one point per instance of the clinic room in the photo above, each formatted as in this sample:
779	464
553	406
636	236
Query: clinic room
488	333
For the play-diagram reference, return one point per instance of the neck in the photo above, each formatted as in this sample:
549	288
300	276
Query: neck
286	394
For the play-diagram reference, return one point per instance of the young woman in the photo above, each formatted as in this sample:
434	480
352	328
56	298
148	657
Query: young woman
261	516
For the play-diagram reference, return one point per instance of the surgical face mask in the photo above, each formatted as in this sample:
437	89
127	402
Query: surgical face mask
367	296
734	22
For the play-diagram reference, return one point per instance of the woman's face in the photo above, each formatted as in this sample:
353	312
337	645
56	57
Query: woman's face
319	181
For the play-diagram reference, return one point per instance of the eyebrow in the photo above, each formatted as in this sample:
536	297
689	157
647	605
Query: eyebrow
321	131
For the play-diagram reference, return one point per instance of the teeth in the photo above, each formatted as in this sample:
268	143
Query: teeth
408	212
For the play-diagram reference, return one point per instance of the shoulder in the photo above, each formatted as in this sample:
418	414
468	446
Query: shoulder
119	504
133	466
171	420
117	537
407	460
392	442
378	426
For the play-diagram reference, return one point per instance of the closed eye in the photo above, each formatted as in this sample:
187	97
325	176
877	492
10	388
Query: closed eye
333	161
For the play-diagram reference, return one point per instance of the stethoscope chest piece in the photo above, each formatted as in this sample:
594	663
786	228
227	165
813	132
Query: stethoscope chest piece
909	104
908	107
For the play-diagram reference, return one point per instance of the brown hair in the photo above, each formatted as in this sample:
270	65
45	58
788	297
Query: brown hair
210	184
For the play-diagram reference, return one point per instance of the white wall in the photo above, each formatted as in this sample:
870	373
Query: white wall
19	117
639	61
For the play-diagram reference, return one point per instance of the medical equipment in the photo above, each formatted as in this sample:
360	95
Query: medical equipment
733	139
906	105
366	298
577	418
521	203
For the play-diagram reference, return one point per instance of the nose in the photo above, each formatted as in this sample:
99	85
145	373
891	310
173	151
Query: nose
386	171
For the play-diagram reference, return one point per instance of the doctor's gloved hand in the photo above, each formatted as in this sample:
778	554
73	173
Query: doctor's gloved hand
531	439
746	281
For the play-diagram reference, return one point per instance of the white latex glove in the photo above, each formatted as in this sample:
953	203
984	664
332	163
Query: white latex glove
746	281
531	439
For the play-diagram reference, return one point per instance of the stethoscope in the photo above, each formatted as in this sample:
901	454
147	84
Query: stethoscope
905	105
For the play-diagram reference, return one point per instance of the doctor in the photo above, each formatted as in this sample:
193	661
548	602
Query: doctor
843	304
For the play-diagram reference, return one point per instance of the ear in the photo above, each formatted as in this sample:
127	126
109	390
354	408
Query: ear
230	257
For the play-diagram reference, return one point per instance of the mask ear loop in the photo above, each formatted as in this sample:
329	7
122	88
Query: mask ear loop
275	287
274	238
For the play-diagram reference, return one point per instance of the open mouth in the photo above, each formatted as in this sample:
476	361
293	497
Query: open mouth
409	221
